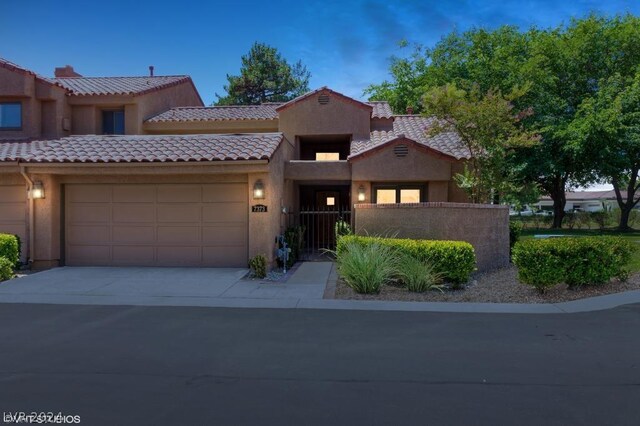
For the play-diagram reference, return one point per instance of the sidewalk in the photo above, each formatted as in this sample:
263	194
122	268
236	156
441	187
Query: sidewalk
309	286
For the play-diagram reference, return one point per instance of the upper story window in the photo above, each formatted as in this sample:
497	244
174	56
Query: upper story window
327	156
10	116
113	122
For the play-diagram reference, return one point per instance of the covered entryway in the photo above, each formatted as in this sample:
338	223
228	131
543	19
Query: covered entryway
13	213
156	224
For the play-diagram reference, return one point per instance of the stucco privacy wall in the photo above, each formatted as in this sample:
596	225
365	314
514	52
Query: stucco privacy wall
485	227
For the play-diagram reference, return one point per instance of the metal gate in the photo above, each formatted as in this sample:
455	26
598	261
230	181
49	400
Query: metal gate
319	225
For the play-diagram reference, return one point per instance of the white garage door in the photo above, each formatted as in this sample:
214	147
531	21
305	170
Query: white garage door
13	213
156	225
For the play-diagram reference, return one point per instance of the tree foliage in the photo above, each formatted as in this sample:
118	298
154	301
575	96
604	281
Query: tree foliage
563	67
490	130
265	76
607	129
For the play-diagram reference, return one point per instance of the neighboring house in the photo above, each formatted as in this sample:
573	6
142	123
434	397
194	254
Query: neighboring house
136	171
588	201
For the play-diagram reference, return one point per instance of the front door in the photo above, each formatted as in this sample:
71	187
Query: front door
328	200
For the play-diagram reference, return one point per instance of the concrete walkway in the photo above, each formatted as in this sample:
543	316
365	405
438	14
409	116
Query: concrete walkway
304	288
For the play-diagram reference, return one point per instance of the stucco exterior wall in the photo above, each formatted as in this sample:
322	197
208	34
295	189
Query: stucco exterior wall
485	227
338	117
457	195
153	103
384	165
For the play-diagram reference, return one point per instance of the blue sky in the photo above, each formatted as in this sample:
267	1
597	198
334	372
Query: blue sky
345	44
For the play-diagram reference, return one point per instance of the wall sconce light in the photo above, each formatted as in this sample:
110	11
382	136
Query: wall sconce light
361	193
37	190
258	190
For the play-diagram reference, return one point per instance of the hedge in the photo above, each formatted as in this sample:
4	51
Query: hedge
10	248
453	260
573	261
6	269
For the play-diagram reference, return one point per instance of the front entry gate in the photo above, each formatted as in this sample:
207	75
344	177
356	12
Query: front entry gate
318	224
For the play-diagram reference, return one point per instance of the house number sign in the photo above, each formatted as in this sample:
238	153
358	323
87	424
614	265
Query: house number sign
259	208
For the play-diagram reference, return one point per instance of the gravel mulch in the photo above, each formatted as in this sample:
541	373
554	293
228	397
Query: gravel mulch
499	286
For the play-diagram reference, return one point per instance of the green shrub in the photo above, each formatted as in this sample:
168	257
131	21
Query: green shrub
454	261
6	269
574	261
10	248
418	276
365	267
258	265
515	230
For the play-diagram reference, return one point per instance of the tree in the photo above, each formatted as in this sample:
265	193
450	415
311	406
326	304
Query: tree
265	76
490	130
607	128
562	65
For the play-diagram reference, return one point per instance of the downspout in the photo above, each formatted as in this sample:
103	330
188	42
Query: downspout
31	214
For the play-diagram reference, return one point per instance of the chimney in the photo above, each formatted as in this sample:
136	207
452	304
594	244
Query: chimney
150	70
410	110
66	71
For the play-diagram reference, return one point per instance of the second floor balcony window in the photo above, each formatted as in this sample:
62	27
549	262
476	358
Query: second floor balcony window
113	122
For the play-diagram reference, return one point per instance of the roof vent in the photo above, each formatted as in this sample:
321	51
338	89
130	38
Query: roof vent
401	151
323	99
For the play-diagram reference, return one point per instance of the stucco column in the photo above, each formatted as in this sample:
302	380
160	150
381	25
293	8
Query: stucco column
46	253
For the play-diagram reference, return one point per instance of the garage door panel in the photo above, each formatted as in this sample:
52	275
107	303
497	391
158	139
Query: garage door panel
134	213
223	235
156	224
87	234
179	235
134	255
229	212
13	193
88	213
88	193
178	213
179	193
233	192
134	194
179	256
133	234
225	256
89	255
12	212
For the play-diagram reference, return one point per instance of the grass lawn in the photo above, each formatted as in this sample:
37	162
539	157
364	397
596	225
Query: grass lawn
633	237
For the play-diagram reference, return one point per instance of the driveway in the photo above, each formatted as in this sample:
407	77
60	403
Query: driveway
166	286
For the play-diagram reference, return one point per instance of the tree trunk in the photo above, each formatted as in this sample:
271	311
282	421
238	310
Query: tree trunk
626	206
559	201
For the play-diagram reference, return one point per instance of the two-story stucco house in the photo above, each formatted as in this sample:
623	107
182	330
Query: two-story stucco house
136	171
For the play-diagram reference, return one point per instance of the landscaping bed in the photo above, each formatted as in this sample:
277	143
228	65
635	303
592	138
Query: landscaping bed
499	286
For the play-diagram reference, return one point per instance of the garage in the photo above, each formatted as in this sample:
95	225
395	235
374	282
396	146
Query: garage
13	213
156	225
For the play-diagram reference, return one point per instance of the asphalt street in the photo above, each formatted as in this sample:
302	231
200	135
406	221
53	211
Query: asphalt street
188	365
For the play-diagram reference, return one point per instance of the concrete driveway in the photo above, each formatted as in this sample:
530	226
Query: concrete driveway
166	286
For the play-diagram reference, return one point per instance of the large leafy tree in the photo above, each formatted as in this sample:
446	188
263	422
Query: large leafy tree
607	128
563	66
489	128
265	76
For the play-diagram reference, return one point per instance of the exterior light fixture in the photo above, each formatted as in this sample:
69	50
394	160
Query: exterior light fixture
37	190
361	193
258	190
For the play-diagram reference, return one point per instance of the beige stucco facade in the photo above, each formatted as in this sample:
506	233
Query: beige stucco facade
83	217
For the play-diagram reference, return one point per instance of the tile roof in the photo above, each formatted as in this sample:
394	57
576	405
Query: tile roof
414	127
14	150
381	109
265	111
218	113
84	86
144	148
